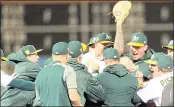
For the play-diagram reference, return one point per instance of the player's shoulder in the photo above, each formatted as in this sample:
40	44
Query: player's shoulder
88	55
155	81
66	67
33	66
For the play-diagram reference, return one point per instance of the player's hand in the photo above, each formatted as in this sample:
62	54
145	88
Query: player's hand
93	65
139	76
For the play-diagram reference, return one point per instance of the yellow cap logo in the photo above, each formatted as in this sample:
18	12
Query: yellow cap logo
27	52
71	52
97	39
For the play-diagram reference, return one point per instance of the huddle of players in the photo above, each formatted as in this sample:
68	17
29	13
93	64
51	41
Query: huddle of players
101	75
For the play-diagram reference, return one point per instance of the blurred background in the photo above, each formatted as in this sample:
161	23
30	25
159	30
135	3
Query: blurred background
42	25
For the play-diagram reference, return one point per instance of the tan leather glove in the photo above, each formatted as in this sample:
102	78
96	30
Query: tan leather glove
121	11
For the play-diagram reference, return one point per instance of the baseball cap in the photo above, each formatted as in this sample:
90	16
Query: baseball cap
138	39
75	49
91	41
103	38
60	48
30	50
160	59
2	56
84	47
169	46
111	53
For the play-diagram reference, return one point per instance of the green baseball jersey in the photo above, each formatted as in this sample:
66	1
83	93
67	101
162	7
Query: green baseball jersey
114	86
25	70
82	76
51	87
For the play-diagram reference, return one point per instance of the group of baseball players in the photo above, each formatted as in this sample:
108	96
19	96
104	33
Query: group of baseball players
101	75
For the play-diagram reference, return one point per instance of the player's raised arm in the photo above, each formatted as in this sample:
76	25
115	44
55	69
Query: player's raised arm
120	12
119	40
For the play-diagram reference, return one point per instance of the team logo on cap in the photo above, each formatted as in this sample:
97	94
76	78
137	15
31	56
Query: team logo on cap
169	67
171	42
108	37
152	57
115	56
27	52
71	52
96	39
135	38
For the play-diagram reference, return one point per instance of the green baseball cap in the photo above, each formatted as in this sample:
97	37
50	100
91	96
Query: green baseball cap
169	46
103	38
75	49
138	39
91	41
111	53
60	48
160	59
2	56
30	50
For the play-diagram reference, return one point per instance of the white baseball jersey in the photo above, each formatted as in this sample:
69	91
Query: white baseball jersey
154	89
5	79
87	56
91	56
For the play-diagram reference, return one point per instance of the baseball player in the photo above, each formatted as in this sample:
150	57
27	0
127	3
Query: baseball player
26	69
115	86
56	84
103	40
91	51
50	60
82	75
170	49
167	95
133	69
120	12
139	50
94	62
161	67
11	81
91	45
7	80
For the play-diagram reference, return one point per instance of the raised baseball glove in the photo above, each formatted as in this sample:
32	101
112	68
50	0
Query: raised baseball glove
121	10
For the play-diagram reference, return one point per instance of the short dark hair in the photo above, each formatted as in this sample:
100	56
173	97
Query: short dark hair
91	45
